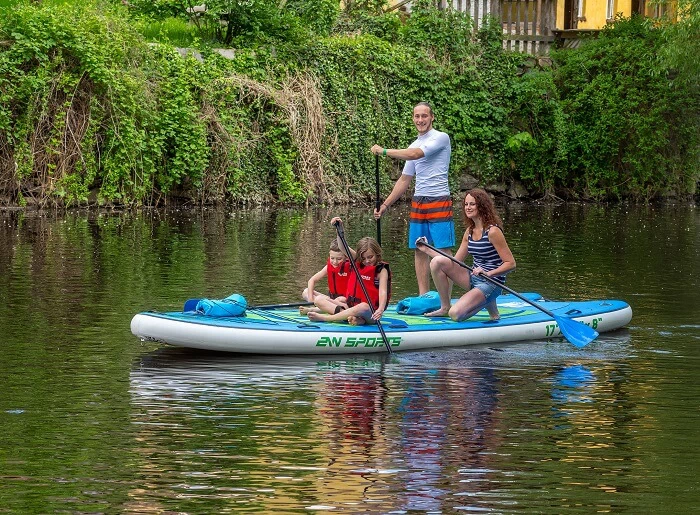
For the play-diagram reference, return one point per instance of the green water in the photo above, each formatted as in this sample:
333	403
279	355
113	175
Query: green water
95	421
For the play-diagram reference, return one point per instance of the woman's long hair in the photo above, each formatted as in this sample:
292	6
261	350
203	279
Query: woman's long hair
366	244
485	208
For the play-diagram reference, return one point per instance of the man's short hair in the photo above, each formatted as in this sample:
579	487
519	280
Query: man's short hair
426	104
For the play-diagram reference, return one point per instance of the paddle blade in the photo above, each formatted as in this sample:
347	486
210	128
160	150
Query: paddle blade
578	333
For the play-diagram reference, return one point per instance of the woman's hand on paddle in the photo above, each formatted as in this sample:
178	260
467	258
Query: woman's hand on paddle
420	245
479	271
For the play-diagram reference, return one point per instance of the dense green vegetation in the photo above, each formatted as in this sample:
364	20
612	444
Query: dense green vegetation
98	103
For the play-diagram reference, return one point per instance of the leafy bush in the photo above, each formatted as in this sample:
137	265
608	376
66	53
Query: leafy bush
89	110
625	120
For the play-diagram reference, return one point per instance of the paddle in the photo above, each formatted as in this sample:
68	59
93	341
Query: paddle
341	237
576	332
378	204
191	305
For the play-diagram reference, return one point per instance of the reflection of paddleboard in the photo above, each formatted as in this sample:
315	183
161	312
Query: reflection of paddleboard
285	331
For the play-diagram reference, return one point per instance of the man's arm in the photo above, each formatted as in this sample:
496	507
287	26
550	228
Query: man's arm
399	189
405	154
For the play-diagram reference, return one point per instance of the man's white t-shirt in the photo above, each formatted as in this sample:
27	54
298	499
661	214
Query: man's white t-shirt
431	170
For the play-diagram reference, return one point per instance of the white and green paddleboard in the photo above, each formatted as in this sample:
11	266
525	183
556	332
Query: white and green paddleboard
285	331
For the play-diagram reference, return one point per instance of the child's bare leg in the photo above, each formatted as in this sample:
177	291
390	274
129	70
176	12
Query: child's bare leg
346	314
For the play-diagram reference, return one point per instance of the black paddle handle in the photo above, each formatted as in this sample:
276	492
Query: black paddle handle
341	235
489	279
378	204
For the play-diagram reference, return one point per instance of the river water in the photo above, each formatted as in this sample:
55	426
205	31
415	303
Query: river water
95	421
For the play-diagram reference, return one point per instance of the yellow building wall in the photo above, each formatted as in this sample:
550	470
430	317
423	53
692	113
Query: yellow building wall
595	12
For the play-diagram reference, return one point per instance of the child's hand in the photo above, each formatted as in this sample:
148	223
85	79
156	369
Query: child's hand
377	313
336	220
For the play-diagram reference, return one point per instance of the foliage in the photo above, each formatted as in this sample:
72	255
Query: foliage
89	111
628	132
245	24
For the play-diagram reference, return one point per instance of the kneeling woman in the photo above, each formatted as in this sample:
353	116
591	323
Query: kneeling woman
485	242
355	308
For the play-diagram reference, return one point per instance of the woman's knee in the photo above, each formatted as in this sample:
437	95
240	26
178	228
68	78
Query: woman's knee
438	263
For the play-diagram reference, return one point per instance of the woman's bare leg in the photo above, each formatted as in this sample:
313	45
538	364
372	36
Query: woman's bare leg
468	305
444	272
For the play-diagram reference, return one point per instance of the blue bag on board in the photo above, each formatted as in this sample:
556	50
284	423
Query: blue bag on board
232	306
419	305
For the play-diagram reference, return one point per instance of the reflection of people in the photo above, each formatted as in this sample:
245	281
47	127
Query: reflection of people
374	273
428	159
448	418
485	242
337	271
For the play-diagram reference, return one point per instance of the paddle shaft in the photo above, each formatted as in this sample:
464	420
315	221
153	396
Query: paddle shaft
491	280
378	204
275	306
341	236
191	304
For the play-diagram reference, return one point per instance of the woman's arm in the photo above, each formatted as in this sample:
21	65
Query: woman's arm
463	250
498	240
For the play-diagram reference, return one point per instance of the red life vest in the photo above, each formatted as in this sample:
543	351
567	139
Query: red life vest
338	278
370	278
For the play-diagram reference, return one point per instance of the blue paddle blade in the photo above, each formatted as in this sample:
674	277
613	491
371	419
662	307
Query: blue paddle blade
576	332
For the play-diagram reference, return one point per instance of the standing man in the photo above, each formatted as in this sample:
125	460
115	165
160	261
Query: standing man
428	158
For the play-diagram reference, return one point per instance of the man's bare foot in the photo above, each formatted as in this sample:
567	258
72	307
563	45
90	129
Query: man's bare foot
305	310
442	312
317	316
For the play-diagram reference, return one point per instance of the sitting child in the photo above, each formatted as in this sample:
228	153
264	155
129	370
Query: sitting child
355	307
337	270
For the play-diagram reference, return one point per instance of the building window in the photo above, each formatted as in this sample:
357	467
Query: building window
580	9
611	10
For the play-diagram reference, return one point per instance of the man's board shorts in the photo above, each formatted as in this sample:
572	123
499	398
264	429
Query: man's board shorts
432	217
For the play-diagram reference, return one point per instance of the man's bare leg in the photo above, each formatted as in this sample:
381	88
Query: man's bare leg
422	263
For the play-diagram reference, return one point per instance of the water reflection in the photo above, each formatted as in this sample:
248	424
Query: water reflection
448	421
536	426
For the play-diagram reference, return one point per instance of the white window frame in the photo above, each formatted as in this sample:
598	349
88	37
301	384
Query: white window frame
579	14
610	14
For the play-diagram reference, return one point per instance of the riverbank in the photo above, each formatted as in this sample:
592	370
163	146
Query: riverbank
95	114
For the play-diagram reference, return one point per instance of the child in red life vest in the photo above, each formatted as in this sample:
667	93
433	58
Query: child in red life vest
375	274
337	270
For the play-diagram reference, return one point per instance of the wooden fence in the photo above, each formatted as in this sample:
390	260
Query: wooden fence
527	24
